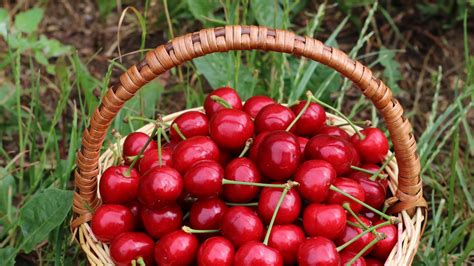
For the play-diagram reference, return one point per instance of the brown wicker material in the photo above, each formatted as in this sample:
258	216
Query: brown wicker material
404	171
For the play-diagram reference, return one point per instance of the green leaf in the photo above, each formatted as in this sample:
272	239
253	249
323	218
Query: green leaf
41	214
3	22
7	256
105	6
268	13
28	21
202	9
53	47
7	182
392	68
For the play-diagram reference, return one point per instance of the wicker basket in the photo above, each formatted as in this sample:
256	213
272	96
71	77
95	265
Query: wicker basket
404	170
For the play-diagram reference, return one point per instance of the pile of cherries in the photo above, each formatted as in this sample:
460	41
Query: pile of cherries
258	183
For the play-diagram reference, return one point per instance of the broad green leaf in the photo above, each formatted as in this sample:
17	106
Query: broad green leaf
391	72
52	47
268	13
28	21
7	182
7	256
3	22
41	214
202	9
105	6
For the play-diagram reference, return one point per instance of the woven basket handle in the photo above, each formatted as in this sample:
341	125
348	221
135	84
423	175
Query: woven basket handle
222	39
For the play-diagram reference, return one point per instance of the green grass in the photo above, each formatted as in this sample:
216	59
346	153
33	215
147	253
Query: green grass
47	94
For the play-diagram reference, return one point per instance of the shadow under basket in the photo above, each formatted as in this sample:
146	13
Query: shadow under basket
403	170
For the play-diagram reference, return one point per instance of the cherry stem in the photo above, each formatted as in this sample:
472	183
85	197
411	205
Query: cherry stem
339	113
287	188
354	239
348	208
134	263
356	257
140	261
165	136
249	204
160	159
119	147
374	176
221	101
354	224
376	173
139	155
189	230
175	126
300	114
393	219
234	182
186	216
248	143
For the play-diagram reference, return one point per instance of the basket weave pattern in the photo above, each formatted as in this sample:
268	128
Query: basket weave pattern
404	171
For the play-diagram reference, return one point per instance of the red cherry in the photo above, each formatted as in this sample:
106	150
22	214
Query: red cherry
373	148
253	152
350	232
315	177
374	192
289	209
279	155
216	251
150	159
226	93
241	225
204	179
372	216
117	188
383	248
135	208
347	256
160	186
110	220
373	168
256	103
207	214
192	150
287	240
176	249
333	150
255	253
312	120
130	246
351	187
192	123
133	143
172	144
273	117
373	262
334	131
225	157
318	251
159	222
231	128
328	221
302	141
245	170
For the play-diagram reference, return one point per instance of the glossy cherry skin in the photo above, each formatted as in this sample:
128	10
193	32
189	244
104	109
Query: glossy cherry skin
241	225
150	159
383	248
226	93
117	188
334	131
312	120
256	103
333	150
287	240
324	220
176	249
318	251
315	177
357	175
159	222
372	216
373	262
255	253
302	141
231	128
289	210
278	155
191	124
135	208
192	150
130	246
273	117
133	143
207	213
253	152
160	186
245	170
351	231
204	179
375	193
352	188
347	256
216	251
110	220
373	148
